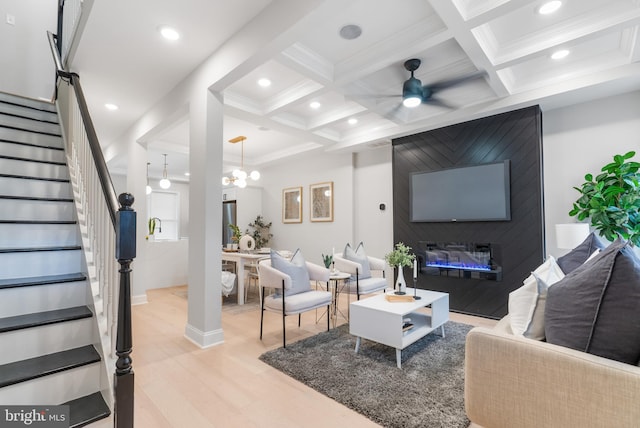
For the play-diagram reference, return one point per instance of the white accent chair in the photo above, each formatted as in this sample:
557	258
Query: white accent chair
272	278
362	286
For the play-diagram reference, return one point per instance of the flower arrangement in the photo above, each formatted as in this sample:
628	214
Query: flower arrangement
261	232
400	256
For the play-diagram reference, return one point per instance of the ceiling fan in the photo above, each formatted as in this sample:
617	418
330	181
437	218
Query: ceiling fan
415	93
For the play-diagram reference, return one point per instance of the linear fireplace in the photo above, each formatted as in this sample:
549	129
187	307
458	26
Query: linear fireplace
459	260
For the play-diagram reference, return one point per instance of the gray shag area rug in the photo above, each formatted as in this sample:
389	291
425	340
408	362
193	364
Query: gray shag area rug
427	392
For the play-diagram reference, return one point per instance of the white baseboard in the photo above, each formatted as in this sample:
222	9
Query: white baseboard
204	339
139	299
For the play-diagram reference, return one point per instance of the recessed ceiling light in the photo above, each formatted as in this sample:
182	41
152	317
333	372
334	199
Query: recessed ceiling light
263	128
350	32
187	174
264	82
560	54
111	107
314	105
169	33
549	7
353	121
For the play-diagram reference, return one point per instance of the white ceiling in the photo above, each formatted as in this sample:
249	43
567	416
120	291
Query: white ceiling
123	60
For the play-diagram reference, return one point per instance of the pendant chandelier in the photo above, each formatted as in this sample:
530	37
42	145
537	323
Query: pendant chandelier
239	176
165	183
148	189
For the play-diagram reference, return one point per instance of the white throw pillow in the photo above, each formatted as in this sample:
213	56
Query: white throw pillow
296	269
526	304
359	257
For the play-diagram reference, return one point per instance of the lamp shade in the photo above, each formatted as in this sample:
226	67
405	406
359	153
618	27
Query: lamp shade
570	235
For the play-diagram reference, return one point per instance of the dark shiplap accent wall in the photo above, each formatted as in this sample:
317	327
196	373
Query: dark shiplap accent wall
516	136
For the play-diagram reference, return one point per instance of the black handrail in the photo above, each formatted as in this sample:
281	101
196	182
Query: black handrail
96	151
123	218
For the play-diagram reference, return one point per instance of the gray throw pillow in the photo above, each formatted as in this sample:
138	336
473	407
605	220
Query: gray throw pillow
296	269
360	257
595	308
580	254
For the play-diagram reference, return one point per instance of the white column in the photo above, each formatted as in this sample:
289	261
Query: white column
204	325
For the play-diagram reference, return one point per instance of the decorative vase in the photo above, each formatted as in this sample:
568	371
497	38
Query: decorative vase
401	285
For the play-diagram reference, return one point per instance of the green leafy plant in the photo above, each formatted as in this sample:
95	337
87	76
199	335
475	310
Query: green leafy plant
236	233
611	200
261	232
400	256
152	226
328	259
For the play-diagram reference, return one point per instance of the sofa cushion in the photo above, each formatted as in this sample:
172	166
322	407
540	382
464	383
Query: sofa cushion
296	269
596	307
580	254
358	256
527	303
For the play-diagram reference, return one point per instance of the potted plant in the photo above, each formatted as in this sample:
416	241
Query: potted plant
327	260
261	232
152	228
236	234
400	257
611	200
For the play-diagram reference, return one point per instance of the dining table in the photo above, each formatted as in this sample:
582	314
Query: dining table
241	258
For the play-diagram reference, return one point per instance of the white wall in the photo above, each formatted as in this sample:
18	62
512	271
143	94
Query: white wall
581	139
373	185
25	58
314	239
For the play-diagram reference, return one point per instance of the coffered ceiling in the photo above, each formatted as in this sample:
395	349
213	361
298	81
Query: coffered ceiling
123	60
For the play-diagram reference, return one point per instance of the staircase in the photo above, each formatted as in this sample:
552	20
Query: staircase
51	352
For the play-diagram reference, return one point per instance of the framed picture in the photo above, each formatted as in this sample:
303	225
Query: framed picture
292	205
321	201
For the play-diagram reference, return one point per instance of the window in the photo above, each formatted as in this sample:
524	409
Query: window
166	207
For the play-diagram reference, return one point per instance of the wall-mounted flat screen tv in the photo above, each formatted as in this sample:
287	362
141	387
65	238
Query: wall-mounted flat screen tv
472	193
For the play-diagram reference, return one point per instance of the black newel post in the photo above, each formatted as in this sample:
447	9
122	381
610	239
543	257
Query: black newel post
125	253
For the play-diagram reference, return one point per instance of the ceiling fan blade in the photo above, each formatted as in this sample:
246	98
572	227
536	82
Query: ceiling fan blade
392	114
438	103
443	84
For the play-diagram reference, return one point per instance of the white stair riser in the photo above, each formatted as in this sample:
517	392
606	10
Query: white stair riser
47	339
33	169
16	209
40	298
30	137
15	99
38	263
30	152
31	113
28	124
54	389
38	210
37	188
39	235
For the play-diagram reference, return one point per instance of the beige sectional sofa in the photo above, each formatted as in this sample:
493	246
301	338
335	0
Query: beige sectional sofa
515	382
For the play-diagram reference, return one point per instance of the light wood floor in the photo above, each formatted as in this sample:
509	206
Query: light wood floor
179	385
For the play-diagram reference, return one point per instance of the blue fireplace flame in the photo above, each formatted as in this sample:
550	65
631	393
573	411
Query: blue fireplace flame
458	265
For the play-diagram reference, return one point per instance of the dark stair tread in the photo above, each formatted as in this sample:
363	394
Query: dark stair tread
44	318
35	198
18	158
33	368
86	410
42	280
29	177
38	222
38	249
25	102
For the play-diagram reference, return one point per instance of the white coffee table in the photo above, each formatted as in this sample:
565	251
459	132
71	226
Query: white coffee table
381	321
